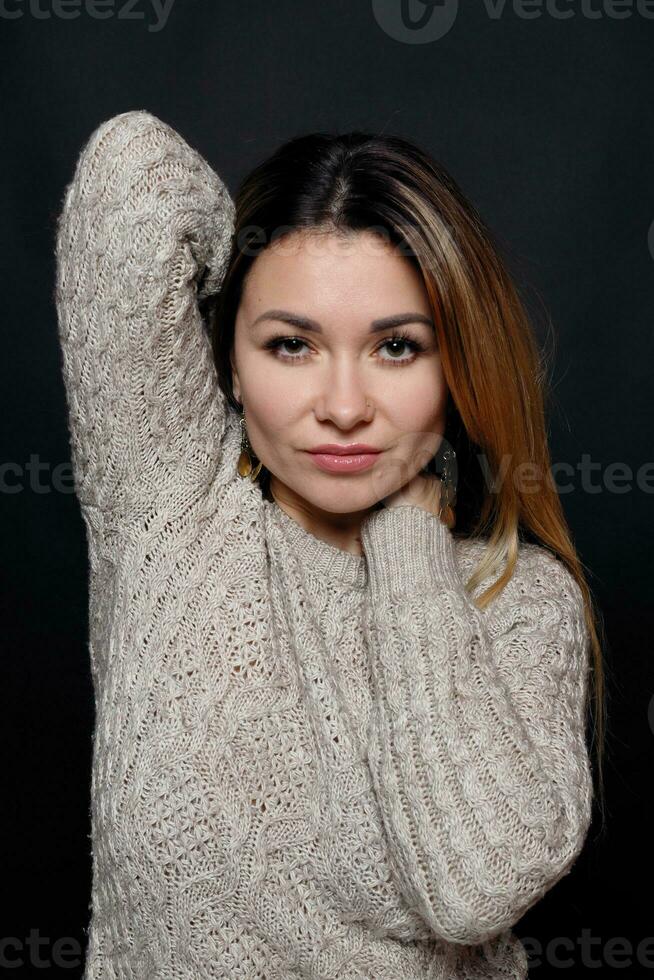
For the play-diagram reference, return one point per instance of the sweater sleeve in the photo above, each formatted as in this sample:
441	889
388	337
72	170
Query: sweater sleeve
143	235
476	744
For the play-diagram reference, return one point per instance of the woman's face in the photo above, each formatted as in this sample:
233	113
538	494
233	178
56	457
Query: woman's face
341	382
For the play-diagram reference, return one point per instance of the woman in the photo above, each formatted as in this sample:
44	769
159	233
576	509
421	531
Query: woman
322	749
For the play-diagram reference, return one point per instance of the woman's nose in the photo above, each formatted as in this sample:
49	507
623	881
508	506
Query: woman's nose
344	400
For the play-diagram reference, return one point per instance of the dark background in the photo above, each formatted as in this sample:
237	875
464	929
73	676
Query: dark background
547	123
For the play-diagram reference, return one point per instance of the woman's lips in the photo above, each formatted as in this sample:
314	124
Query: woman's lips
351	463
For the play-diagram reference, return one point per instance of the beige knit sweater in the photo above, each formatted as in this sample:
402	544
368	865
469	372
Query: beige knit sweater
306	763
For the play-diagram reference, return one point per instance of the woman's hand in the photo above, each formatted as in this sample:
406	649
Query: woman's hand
422	491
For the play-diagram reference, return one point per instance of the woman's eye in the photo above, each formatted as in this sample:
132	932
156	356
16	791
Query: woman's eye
277	343
413	346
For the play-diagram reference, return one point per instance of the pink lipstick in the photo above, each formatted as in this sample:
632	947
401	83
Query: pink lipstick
337	458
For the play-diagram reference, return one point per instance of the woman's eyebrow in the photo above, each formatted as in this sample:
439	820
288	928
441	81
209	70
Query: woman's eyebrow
305	323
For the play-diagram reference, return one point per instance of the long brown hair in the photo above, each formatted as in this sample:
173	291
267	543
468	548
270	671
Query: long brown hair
492	364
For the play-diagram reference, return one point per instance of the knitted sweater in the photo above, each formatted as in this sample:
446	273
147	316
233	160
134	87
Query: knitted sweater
306	763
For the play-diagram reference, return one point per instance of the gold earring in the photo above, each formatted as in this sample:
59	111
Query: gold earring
448	489
245	466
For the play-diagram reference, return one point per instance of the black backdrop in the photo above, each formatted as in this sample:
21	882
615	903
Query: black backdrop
544	114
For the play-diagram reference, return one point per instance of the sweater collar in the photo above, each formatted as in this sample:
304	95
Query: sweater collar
317	555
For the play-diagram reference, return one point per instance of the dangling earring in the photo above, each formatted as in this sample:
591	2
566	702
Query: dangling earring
245	466
448	489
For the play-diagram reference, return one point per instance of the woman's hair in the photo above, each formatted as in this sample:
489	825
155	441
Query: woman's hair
490	358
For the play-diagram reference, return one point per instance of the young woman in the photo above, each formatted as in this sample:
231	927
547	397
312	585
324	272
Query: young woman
341	642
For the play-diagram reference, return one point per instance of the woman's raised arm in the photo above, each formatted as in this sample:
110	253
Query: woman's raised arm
144	232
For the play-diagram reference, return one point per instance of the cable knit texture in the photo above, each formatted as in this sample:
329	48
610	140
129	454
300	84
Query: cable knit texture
306	763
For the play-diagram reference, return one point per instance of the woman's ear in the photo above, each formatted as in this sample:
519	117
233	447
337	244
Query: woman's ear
236	386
